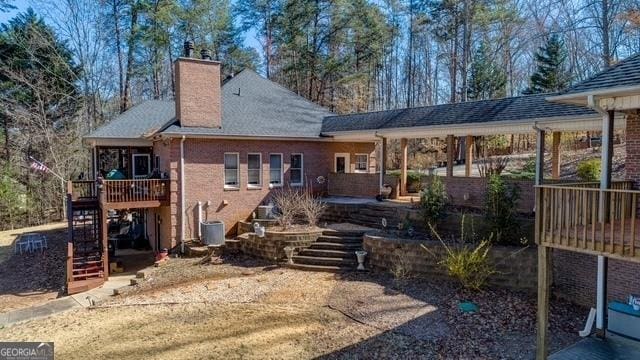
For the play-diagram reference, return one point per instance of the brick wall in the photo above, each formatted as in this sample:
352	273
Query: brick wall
358	184
574	277
632	162
514	270
204	168
471	192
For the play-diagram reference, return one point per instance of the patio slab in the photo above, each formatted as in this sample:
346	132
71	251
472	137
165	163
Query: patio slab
593	348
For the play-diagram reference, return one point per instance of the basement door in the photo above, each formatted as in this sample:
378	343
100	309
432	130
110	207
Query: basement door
341	163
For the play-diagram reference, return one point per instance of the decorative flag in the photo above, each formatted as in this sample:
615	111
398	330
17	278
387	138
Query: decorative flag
38	166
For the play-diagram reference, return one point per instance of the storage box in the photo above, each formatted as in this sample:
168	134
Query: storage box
623	320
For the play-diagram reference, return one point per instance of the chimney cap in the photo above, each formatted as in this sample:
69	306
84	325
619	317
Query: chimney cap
188	48
205	54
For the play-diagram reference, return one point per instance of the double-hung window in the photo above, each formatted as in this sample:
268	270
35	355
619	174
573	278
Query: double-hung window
275	170
362	163
231	170
296	170
254	170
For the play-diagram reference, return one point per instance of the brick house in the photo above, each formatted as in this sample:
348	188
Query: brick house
226	146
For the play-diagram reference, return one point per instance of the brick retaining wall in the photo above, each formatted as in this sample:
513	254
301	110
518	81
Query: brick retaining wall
271	246
514	270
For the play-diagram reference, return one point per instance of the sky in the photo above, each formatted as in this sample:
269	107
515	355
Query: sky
22	5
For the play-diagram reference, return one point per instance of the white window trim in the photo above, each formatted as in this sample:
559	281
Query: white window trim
347	162
133	167
301	170
224	171
356	163
259	185
281	170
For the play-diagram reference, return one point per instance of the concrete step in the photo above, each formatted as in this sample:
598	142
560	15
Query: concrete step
328	253
323	268
336	246
342	233
326	261
340	239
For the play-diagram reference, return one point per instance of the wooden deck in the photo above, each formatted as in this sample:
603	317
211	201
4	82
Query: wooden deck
592	348
588	220
120	194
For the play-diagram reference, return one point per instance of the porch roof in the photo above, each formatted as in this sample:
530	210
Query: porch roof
622	79
500	116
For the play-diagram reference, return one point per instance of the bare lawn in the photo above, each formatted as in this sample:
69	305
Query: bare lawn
32	278
244	309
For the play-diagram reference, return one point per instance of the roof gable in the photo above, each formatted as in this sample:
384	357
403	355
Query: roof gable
624	73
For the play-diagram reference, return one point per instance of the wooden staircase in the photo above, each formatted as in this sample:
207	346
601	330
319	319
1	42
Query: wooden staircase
85	256
334	251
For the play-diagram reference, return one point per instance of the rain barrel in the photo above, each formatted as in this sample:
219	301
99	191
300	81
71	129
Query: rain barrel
212	232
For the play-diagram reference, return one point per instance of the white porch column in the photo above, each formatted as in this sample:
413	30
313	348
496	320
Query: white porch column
383	161
605	183
403	166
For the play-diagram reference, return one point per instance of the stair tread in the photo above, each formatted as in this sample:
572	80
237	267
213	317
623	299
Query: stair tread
310	252
354	238
338	244
325	268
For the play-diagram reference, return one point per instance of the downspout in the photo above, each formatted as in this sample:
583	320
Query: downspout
182	180
381	162
605	182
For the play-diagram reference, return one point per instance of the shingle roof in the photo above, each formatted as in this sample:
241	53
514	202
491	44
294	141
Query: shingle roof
142	119
255	106
624	73
507	109
262	108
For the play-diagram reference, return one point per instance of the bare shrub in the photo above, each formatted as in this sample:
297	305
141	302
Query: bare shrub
312	208
296	207
287	202
400	268
492	165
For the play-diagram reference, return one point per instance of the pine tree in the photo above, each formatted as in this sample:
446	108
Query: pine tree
551	74
487	79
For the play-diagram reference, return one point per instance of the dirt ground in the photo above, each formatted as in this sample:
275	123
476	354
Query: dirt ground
245	309
31	279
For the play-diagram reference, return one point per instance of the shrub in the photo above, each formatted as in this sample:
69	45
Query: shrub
589	170
529	166
311	208
501	210
433	201
469	264
295	206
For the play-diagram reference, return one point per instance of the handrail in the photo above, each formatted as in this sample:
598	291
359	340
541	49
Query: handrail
117	191
612	190
589	219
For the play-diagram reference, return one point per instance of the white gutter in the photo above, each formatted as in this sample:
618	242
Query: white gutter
326	138
576	98
605	182
182	180
575	123
381	162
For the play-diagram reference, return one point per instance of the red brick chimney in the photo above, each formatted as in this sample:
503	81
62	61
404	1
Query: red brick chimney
198	101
